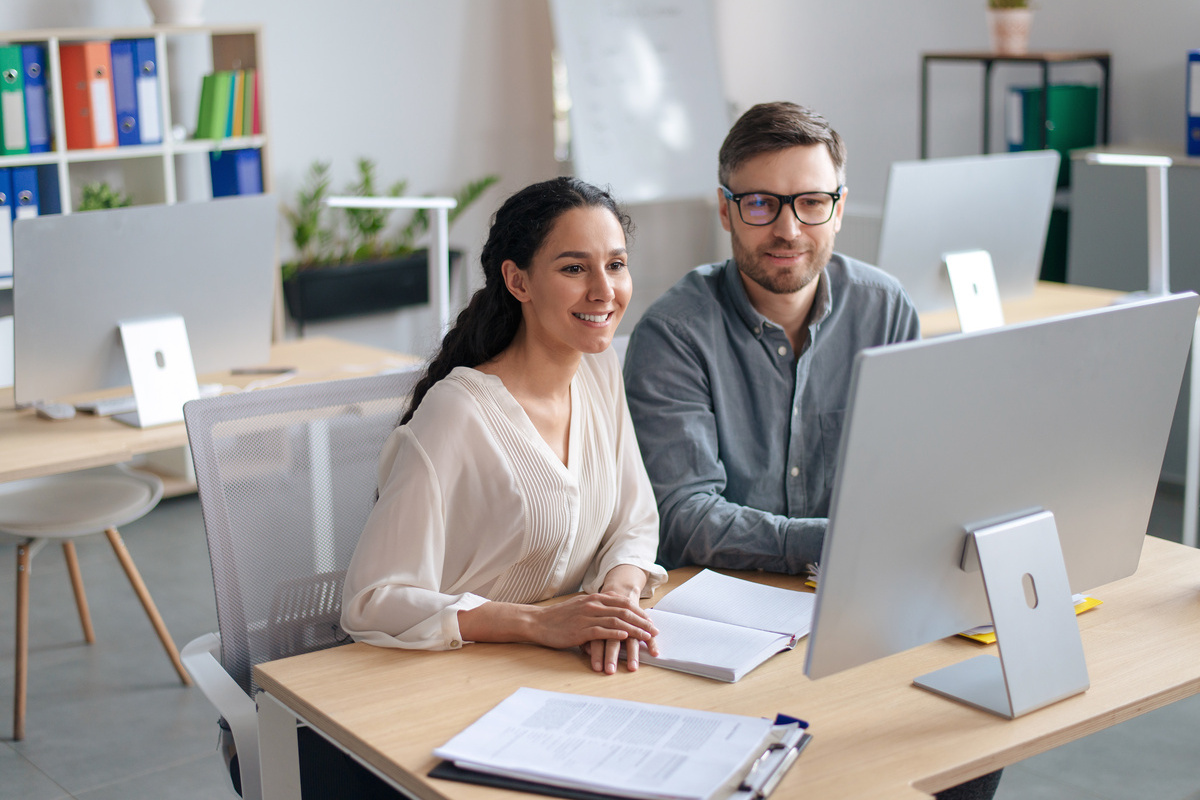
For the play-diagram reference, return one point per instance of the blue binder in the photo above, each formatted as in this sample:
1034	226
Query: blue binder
37	113
1193	103
149	115
124	81
235	172
6	195
24	192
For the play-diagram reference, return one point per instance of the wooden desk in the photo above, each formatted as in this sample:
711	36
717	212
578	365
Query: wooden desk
31	447
875	735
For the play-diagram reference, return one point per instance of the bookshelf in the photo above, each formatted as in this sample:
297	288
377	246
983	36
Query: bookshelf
148	172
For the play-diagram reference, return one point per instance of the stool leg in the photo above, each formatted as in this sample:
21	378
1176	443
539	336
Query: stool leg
85	616
22	654
139	587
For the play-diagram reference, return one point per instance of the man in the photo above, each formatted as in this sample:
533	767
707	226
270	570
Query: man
737	377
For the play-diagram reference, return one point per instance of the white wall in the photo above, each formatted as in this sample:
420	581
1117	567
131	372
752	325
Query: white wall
442	92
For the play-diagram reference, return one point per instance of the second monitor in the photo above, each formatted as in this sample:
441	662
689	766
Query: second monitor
77	276
998	203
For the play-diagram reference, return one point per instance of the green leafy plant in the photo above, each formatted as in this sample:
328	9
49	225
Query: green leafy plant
1008	4
99	195
325	237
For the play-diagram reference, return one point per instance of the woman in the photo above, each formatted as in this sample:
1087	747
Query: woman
515	475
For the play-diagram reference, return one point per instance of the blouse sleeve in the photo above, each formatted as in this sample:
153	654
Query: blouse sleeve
632	534
392	594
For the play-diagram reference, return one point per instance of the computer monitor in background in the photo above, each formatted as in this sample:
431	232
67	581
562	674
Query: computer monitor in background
77	276
981	432
999	203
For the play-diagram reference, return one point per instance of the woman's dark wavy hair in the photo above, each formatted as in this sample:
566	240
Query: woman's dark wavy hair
490	321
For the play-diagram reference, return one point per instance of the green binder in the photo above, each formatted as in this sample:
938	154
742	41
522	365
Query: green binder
1070	121
13	138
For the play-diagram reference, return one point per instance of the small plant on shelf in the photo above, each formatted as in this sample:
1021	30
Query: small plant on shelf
1008	4
99	194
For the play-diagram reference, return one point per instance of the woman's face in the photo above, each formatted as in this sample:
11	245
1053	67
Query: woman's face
577	286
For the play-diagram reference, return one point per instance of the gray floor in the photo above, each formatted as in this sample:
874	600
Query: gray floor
112	721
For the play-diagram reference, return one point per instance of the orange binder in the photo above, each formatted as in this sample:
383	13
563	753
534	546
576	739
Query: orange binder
88	107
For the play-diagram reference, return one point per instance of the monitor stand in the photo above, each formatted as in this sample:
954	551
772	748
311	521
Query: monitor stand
1041	654
976	294
160	369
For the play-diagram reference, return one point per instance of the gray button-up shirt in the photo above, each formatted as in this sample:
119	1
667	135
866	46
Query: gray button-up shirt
739	433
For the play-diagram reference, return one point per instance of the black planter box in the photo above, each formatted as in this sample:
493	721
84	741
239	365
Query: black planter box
352	289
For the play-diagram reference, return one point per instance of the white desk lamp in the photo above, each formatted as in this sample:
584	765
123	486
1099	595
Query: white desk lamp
1159	282
439	247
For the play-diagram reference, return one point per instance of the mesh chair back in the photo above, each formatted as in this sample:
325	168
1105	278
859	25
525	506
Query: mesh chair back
286	479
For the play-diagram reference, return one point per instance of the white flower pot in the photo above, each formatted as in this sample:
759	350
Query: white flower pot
1009	28
177	12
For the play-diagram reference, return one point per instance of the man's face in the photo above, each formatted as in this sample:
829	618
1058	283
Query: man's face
785	256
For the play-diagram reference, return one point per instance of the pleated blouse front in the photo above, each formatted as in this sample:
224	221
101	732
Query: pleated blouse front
475	506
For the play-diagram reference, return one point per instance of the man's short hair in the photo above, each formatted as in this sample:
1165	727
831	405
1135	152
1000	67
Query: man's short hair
769	127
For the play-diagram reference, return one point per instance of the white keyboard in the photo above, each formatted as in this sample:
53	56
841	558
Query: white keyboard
109	406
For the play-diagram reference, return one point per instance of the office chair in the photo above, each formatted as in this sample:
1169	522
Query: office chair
286	479
63	507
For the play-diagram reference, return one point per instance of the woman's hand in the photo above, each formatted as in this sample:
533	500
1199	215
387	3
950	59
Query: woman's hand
627	581
593	619
599	622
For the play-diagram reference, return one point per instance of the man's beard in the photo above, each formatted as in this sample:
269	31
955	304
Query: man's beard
780	281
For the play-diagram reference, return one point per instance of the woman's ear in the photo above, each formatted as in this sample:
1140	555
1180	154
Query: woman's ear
514	279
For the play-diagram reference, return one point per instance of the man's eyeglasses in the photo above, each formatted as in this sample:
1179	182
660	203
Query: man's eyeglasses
762	208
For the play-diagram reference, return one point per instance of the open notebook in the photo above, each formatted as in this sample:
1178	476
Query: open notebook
721	627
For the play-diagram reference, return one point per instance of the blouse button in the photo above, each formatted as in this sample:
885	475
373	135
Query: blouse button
455	644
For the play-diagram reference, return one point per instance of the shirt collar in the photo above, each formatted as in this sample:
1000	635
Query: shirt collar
736	291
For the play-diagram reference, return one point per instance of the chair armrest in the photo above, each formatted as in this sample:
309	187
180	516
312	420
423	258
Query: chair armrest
200	658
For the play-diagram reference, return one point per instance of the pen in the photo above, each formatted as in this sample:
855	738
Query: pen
261	370
761	788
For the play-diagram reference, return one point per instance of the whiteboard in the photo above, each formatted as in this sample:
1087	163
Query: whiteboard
647	112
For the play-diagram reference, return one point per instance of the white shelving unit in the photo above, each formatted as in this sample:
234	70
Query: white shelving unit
232	47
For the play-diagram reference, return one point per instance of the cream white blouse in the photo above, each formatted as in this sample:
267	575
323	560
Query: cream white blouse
475	506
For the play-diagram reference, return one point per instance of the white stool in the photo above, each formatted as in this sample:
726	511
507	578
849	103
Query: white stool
63	507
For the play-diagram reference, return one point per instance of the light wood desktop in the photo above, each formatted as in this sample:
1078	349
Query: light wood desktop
874	734
32	447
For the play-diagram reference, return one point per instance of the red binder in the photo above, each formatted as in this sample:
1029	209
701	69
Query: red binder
88	106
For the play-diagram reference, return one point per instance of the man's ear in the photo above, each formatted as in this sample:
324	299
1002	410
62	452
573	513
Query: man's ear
837	212
723	208
514	279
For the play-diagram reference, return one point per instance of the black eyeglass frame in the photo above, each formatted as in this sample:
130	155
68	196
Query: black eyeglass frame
784	200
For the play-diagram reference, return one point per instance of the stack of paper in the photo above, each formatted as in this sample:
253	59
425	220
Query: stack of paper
616	747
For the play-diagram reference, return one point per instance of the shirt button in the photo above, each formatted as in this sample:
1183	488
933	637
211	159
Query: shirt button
795	471
782	350
757	331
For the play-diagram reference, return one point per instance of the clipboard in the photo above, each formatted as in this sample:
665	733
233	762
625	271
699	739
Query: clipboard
760	779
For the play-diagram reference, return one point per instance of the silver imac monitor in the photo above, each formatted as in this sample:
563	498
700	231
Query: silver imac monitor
983	472
999	203
77	276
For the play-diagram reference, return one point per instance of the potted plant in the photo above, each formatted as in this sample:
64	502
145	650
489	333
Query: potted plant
1008	24
349	261
99	194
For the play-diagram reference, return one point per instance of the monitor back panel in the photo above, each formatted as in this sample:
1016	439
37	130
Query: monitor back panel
999	203
1070	415
77	276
